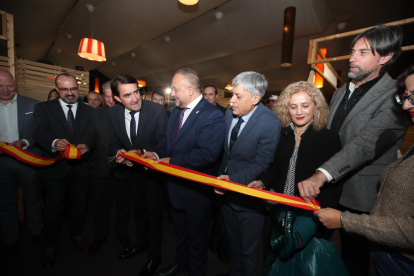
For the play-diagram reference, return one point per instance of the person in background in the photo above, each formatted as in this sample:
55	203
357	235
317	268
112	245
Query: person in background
53	94
16	113
390	225
94	99
372	129
272	101
210	93
304	145
159	97
56	124
251	139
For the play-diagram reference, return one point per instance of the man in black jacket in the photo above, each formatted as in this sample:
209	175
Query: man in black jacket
108	179
210	93
139	125
55	124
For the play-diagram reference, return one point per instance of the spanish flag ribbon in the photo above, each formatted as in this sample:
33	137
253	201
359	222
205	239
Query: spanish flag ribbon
223	184
23	155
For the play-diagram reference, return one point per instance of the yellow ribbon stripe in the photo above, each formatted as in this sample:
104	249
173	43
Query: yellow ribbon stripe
228	185
72	152
35	160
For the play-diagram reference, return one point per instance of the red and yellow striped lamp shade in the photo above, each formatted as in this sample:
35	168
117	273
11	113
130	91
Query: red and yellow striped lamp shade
92	49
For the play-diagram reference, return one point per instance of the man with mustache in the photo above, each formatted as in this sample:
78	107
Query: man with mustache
56	124
368	120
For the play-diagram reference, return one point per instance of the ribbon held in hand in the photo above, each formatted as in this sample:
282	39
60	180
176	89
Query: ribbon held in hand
23	155
223	184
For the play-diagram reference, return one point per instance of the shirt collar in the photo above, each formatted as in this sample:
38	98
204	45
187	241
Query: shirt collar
195	102
63	104
14	101
247	116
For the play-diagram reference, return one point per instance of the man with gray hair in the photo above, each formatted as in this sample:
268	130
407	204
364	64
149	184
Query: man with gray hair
108	97
252	135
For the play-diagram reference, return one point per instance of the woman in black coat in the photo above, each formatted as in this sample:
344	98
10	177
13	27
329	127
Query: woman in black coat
304	145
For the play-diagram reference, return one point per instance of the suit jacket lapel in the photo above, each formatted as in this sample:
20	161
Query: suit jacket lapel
229	119
120	121
21	108
60	114
143	117
193	115
79	114
334	106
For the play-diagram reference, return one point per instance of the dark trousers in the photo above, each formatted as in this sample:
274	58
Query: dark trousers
387	262
191	229
244	230
147	198
103	191
55	189
355	249
12	172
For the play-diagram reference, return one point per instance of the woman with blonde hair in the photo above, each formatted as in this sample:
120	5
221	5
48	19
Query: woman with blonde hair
300	245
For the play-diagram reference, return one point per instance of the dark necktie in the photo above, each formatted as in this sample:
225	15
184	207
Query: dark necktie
71	119
132	128
235	132
178	127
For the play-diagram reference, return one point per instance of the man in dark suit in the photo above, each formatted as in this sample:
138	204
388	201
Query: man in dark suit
372	128
252	135
15	128
210	93
193	140
55	124
139	125
108	178
159	98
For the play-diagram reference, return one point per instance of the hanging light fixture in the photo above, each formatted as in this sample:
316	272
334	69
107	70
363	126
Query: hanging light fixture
141	83
90	48
229	86
321	66
288	37
188	2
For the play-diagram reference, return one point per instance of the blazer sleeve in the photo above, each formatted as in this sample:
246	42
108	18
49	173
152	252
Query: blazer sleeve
271	173
27	132
378	135
162	122
264	154
89	138
41	129
210	143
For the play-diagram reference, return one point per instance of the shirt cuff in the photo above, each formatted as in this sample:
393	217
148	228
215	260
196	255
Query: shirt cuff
328	175
27	144
53	145
156	155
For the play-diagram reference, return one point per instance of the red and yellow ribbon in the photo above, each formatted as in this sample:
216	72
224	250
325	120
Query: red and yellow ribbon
223	184
23	155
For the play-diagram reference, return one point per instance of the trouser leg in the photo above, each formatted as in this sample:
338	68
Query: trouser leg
78	189
154	200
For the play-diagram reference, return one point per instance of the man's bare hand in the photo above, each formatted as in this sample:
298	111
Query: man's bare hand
258	184
221	191
60	145
83	148
120	160
19	144
149	155
329	217
310	188
165	160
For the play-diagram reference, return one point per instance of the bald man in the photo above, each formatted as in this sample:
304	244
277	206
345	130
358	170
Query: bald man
16	113
94	99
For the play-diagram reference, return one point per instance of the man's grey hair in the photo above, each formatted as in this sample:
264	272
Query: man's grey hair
106	85
252	82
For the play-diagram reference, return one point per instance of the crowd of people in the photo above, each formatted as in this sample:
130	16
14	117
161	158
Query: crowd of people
299	147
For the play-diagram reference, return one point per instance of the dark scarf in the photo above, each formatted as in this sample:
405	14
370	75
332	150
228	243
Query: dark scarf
346	104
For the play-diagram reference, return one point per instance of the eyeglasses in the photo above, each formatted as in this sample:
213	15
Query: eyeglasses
400	98
72	89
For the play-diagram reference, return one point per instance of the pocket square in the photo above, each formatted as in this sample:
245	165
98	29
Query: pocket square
28	113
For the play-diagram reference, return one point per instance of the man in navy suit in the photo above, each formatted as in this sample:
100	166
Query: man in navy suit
55	124
16	114
194	140
252	135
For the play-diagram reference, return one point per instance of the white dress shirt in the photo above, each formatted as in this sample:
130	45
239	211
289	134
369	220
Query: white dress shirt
128	122
65	111
190	108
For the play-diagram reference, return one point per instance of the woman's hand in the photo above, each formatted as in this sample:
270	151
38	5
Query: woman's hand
329	217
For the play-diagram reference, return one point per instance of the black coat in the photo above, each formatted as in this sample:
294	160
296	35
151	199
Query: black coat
316	147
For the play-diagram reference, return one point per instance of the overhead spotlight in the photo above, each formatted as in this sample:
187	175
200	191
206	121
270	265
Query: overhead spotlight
69	36
167	39
113	63
59	50
90	7
168	90
133	55
218	15
341	26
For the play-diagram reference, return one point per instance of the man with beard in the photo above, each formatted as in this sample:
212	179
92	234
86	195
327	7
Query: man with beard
365	115
56	124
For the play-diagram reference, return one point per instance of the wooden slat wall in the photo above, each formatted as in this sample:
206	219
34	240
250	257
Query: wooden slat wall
4	63
35	79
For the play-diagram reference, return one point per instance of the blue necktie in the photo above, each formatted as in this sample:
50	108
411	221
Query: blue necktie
235	132
71	119
132	128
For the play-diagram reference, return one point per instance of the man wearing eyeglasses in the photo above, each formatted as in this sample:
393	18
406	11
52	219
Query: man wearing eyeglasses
372	128
56	124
